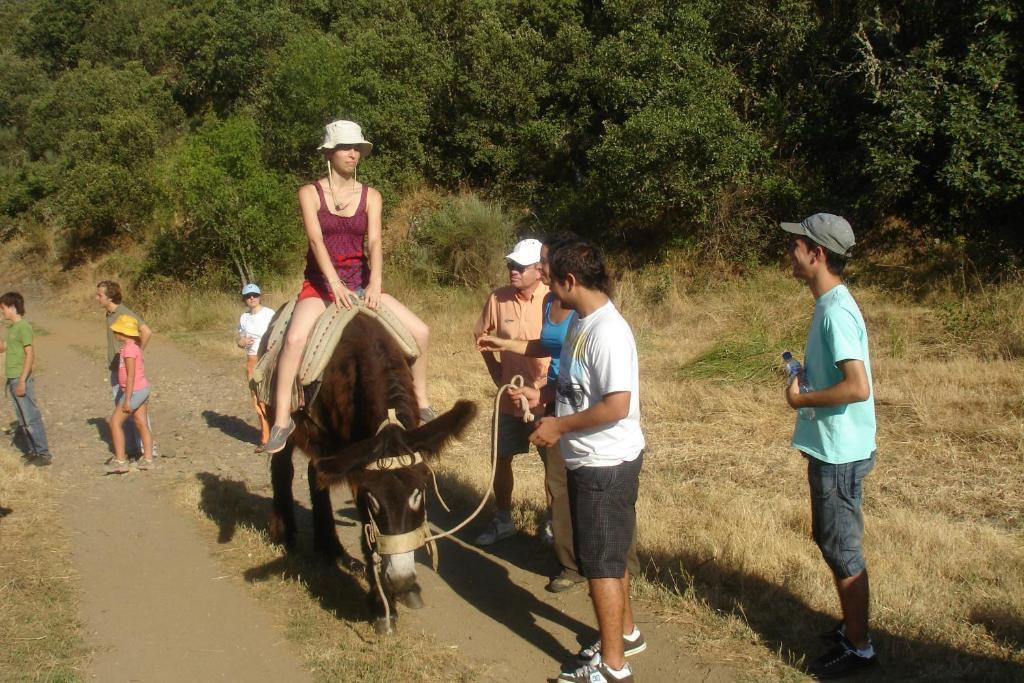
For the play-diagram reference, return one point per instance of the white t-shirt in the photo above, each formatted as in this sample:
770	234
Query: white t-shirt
599	358
254	325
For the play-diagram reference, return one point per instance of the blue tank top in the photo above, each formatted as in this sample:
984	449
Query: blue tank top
552	335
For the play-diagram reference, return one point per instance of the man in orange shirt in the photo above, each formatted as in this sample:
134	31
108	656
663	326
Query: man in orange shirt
513	312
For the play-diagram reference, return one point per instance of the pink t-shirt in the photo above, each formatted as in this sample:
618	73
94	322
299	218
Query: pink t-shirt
132	350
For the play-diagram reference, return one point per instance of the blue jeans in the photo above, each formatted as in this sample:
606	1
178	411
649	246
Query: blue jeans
837	522
31	421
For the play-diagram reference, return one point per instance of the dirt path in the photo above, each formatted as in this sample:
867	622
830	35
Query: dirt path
159	606
155	602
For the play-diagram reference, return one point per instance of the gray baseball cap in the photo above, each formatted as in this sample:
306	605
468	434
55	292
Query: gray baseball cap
830	231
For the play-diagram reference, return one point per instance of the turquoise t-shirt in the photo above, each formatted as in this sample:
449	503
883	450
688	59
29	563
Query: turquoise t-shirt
18	337
552	335
846	433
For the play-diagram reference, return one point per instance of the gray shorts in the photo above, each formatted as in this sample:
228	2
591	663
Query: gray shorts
837	522
602	504
513	435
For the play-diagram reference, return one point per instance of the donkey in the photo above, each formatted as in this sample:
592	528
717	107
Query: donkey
348	436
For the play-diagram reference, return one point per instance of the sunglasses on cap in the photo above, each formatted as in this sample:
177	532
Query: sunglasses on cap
250	295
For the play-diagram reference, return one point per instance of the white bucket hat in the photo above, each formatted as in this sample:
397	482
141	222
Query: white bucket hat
345	133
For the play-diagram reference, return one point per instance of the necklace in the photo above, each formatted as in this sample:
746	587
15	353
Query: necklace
338	206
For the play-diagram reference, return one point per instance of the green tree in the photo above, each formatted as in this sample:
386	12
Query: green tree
947	146
238	220
52	32
101	128
214	52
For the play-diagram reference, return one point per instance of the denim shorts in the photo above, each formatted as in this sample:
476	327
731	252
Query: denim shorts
837	522
602	504
139	396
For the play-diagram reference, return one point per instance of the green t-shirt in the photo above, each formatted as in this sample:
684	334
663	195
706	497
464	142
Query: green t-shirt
18	337
846	433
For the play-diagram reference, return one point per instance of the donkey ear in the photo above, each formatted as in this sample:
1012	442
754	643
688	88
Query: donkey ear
430	438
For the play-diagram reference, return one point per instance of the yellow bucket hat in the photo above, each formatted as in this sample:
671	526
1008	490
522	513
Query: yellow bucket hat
127	325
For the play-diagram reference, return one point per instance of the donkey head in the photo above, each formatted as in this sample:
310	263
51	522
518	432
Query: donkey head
389	483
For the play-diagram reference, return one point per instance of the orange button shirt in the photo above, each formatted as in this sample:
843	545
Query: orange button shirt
510	316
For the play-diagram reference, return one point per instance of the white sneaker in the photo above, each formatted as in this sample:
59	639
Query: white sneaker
495	531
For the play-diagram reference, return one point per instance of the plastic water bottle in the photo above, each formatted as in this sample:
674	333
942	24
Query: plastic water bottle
793	369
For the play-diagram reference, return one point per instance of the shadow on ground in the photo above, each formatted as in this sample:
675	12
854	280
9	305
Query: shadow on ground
230	504
233	426
790	628
102	430
1004	626
19	440
485	584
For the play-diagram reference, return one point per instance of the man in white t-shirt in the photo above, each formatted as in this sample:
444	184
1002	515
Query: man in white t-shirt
251	327
597	423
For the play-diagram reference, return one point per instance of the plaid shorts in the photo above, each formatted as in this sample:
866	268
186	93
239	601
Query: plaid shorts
602	504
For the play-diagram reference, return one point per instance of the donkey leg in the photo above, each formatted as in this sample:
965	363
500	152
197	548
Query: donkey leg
325	533
282	519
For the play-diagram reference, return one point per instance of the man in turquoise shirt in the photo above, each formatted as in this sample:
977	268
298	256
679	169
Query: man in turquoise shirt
838	440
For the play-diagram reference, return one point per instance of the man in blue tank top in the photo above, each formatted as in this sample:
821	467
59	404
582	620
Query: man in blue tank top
839	439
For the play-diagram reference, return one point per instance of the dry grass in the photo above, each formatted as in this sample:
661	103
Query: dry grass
724	521
40	636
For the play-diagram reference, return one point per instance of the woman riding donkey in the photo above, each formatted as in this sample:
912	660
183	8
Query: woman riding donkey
339	213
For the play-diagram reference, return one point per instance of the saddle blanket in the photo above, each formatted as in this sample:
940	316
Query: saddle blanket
319	346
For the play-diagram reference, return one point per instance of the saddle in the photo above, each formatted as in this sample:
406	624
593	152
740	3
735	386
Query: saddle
319	348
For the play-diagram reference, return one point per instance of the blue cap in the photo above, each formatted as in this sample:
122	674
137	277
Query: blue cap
251	289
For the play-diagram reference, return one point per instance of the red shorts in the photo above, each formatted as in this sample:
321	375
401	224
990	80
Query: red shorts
310	290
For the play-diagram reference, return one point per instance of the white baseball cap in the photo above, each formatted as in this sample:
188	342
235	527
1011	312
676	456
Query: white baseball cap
525	253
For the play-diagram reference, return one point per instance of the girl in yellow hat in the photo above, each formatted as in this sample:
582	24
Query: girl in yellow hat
133	392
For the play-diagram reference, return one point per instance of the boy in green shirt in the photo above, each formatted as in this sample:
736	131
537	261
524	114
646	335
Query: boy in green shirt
20	357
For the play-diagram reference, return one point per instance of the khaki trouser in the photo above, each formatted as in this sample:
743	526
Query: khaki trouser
561	522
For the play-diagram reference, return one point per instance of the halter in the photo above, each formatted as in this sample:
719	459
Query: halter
393	544
396	544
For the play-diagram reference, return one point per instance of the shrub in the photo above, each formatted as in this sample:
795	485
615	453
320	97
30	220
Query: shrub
463	243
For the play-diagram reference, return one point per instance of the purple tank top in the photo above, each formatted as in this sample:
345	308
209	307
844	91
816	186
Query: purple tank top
343	238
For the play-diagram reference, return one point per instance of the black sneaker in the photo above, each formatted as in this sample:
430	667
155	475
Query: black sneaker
834	635
629	648
842	660
596	673
40	460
